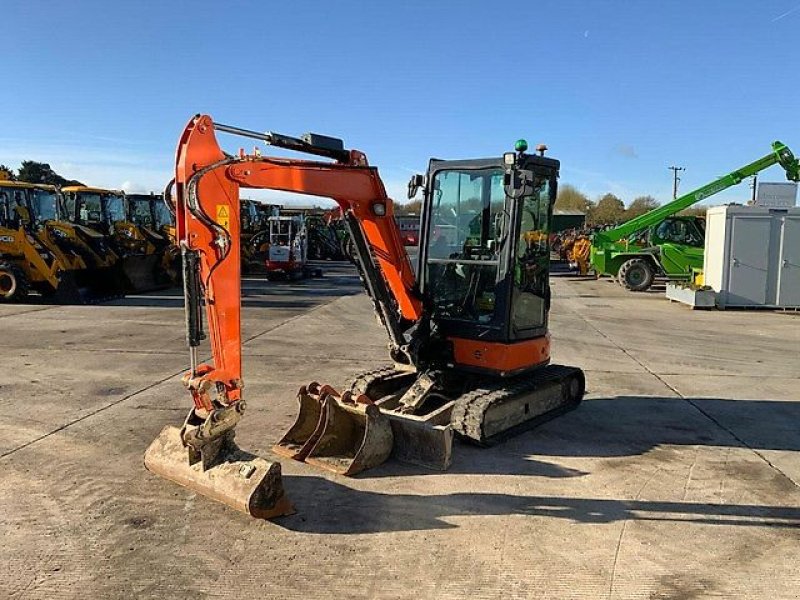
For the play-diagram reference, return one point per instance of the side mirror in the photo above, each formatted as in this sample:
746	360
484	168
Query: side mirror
518	182
414	184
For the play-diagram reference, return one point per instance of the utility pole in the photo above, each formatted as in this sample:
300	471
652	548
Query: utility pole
675	180
753	185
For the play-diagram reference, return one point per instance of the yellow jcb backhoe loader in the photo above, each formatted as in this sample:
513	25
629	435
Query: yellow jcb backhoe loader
25	264
150	214
67	269
105	212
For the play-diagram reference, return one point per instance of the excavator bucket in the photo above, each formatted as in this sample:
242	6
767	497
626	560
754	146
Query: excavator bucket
301	437
230	475
337	433
353	437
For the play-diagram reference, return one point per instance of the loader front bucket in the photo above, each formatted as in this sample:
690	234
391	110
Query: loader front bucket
237	478
142	273
352	437
301	437
99	284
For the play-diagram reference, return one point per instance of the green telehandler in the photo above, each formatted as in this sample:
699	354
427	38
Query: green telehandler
660	243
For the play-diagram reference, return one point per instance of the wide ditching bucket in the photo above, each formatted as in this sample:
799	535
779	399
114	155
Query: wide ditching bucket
224	473
342	434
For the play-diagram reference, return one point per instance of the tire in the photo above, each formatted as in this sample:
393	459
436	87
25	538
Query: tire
636	275
14	286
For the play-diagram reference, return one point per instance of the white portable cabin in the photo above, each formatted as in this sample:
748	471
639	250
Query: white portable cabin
752	256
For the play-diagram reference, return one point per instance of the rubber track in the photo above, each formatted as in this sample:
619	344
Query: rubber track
470	409
360	383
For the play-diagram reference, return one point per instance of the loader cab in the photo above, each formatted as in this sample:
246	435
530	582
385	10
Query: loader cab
688	231
484	246
96	208
43	204
249	217
8	219
163	217
27	205
141	210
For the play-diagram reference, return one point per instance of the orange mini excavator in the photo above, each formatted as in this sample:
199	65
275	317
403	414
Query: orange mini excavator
468	333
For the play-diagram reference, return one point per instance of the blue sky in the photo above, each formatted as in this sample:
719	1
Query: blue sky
618	90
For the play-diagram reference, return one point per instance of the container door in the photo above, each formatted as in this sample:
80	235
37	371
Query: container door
749	261
789	267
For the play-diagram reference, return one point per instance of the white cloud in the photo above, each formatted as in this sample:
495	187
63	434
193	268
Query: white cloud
626	150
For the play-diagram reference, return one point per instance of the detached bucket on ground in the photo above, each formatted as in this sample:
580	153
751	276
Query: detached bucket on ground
337	433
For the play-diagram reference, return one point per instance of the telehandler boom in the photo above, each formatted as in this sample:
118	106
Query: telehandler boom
674	245
468	335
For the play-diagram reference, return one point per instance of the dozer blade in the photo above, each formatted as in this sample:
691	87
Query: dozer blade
353	437
425	441
301	437
237	478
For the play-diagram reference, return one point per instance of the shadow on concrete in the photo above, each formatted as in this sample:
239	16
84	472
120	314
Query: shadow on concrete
260	293
339	279
281	299
625	426
327	507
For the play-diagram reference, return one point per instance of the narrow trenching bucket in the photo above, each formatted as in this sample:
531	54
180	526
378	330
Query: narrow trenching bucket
337	433
304	433
241	480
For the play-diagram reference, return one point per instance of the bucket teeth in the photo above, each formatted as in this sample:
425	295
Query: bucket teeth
343	434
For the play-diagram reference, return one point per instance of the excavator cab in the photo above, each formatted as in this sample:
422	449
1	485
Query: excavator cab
484	252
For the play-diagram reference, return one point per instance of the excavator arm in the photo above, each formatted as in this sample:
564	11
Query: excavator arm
202	454
206	199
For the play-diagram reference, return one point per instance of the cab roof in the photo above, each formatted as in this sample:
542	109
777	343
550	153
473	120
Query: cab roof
26	185
90	190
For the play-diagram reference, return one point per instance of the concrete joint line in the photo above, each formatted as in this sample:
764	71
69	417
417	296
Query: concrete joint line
691	403
88	415
147	387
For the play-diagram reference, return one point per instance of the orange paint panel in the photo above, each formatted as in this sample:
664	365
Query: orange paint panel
499	357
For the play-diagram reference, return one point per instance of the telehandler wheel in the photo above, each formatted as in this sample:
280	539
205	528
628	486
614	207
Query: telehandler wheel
636	275
14	285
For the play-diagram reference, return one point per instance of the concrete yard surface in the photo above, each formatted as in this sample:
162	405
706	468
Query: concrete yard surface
678	477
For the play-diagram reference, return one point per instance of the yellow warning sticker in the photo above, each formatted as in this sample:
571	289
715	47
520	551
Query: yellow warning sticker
223	215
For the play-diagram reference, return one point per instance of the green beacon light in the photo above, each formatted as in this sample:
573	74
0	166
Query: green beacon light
521	145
